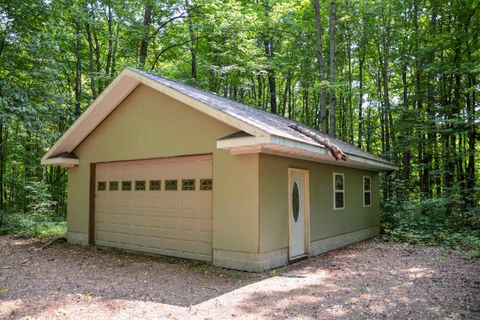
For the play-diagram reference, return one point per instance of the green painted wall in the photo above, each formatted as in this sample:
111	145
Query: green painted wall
149	124
324	221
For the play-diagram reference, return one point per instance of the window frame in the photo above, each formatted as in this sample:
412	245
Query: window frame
365	191
335	191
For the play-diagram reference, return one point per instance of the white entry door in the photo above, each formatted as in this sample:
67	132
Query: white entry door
297	209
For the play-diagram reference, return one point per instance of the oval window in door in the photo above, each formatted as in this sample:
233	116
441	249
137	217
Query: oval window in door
295	201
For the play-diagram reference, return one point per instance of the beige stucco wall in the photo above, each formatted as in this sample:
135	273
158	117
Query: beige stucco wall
149	124
324	221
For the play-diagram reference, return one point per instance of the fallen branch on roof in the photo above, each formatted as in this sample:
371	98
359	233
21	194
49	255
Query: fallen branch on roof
335	151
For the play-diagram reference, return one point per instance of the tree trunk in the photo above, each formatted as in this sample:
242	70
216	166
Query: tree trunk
333	99
2	173
147	21
93	87
472	136
108	63
78	69
350	104
360	89
272	87
321	66
286	93
193	40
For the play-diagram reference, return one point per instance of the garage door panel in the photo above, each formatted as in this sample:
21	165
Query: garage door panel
188	204
205	203
177	223
154	221
171	202
204	236
123	218
189	223
204	248
170	222
139	220
140	240
205	225
139	203
139	230
121	228
155	202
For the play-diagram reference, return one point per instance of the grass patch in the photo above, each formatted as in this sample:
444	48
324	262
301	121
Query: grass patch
26	225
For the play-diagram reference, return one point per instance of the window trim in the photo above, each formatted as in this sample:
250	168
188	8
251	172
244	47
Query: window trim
335	191
365	191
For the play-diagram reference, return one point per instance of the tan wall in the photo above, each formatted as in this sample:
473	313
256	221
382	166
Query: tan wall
149	124
324	221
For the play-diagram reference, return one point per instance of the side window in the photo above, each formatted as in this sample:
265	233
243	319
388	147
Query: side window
338	191
367	191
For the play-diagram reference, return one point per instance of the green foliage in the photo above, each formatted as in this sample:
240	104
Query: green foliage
25	224
426	223
40	200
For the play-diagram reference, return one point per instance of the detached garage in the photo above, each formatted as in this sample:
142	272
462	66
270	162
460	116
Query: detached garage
160	167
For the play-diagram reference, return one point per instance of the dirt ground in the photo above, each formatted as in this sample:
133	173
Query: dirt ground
369	280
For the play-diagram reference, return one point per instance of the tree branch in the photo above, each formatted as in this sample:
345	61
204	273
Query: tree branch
335	151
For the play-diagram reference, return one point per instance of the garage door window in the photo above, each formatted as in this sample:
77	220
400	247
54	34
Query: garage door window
140	185
188	184
206	184
171	185
155	185
126	185
113	186
102	186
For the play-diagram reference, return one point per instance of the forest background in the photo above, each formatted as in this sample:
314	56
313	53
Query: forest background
397	78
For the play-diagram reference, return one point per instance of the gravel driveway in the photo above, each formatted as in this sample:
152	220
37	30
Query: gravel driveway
369	280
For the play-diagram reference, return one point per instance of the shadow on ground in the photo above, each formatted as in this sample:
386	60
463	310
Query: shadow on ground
373	279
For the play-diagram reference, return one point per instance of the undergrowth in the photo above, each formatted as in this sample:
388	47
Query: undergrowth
26	225
433	227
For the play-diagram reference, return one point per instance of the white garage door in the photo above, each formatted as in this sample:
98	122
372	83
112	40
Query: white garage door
160	206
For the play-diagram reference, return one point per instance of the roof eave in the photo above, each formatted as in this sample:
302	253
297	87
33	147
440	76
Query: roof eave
61	161
297	149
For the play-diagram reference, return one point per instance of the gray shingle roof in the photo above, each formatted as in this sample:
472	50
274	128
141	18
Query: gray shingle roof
269	122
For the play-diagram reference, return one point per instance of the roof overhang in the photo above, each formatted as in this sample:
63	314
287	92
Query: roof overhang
112	96
65	160
296	149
